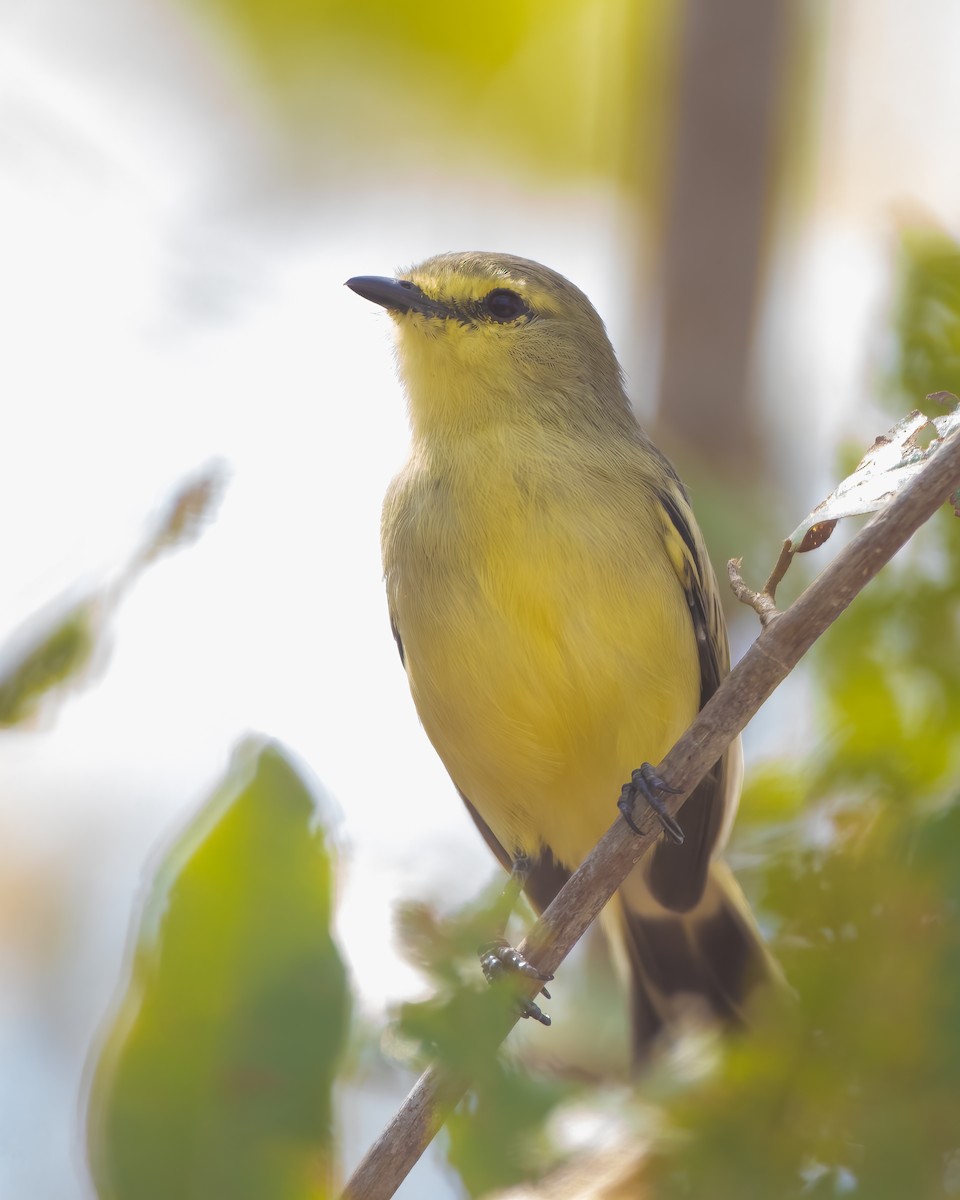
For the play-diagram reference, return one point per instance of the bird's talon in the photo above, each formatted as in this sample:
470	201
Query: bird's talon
645	777
499	958
530	1010
625	804
646	783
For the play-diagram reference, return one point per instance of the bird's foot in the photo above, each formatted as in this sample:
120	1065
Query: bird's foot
648	785
498	960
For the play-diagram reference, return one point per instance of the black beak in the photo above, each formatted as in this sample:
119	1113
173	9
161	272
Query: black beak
397	295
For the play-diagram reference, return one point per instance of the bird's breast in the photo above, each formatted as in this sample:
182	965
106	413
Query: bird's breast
547	641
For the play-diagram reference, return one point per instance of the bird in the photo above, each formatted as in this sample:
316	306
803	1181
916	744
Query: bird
558	618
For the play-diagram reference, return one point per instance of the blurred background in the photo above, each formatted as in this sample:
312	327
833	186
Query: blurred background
759	198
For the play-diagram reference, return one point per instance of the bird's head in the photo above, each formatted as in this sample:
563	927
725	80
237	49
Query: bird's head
491	339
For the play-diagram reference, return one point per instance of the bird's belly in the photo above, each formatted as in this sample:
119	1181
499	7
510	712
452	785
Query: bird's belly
542	692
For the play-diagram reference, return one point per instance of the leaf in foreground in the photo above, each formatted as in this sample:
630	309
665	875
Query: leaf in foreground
215	1075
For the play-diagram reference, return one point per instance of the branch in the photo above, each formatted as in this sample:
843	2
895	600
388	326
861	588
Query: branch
763	603
780	646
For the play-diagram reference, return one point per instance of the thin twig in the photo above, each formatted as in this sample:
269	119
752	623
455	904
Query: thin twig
778	572
762	603
766	664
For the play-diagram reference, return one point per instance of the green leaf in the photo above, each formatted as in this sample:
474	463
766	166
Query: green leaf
56	648
39	663
495	1133
929	314
215	1076
852	1080
565	86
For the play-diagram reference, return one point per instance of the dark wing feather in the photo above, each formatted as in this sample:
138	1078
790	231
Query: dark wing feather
676	874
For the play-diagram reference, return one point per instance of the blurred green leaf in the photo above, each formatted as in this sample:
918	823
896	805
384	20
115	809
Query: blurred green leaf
189	509
889	676
462	1022
494	1135
928	318
57	647
35	664
853	1086
216	1072
496	1132
572	86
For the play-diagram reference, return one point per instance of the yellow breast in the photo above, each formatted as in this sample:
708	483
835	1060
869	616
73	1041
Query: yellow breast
545	632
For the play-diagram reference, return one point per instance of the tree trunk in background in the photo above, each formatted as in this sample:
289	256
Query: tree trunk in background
730	87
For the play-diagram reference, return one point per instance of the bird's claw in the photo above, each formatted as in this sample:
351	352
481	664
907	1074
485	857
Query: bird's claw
529	1009
498	959
647	784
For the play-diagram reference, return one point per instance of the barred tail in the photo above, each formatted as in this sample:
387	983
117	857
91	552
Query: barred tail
699	965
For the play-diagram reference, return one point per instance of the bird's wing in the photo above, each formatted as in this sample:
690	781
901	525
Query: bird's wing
677	874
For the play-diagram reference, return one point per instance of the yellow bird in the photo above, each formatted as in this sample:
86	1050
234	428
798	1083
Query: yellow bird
557	614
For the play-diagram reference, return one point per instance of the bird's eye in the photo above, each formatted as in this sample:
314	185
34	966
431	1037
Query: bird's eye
503	305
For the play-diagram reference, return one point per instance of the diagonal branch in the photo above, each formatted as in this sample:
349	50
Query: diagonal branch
780	646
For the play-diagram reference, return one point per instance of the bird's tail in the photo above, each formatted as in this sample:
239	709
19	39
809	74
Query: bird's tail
700	965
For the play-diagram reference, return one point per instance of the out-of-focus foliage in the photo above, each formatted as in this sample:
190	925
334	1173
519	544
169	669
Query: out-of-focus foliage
216	1072
856	1087
494	1131
613	1169
929	315
849	1084
186	514
55	650
36	663
853	1088
568	86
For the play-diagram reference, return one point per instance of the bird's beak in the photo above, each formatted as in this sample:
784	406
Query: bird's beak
396	295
